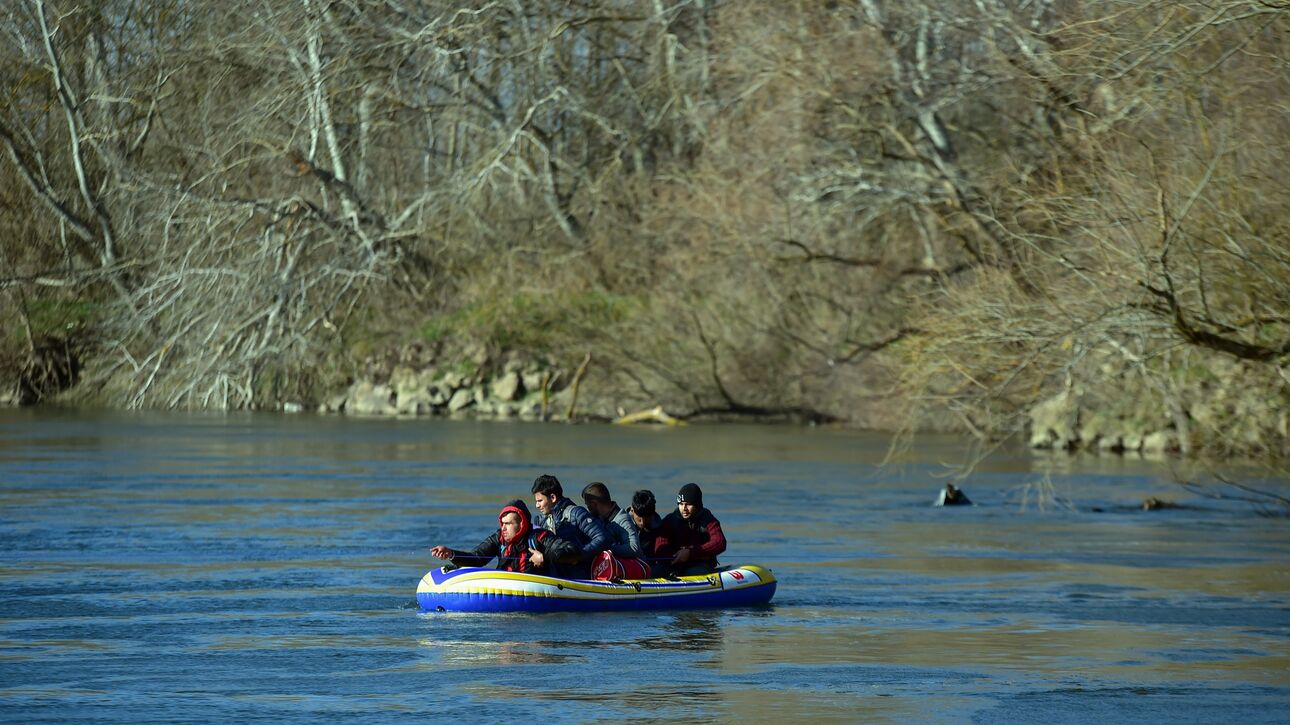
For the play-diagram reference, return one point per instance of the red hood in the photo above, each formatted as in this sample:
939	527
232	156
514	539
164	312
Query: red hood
525	524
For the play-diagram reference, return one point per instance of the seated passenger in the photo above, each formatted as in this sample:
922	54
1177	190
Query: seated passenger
624	539
516	544
690	535
627	559
647	521
572	523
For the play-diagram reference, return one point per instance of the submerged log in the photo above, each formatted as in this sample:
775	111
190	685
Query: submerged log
952	496
653	415
1151	503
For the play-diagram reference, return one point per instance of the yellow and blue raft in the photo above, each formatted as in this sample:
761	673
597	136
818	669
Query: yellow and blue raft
473	589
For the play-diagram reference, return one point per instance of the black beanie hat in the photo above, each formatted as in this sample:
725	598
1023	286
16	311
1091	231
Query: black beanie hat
690	493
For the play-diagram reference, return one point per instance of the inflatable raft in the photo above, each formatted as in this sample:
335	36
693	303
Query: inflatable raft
471	589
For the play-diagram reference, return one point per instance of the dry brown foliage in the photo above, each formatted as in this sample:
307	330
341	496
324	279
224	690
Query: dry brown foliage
861	210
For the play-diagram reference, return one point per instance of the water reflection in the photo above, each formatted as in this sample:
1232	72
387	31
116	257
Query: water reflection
697	631
650	634
469	652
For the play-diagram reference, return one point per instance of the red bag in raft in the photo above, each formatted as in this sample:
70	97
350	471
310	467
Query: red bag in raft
608	567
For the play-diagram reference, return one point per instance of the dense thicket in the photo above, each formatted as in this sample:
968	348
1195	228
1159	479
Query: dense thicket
866	210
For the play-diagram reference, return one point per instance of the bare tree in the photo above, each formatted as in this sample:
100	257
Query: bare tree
850	210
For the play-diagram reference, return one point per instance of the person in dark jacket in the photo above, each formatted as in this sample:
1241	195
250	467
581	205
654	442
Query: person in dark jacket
690	535
516	545
570	522
624	559
624	539
648	523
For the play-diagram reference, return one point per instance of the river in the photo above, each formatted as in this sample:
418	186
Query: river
185	567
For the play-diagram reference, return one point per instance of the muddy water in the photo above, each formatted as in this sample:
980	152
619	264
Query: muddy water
200	568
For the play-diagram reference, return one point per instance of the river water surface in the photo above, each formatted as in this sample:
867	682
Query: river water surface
210	568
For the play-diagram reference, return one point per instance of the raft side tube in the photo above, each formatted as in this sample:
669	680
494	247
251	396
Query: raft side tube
474	589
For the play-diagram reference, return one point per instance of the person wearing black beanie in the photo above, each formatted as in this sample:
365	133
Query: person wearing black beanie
690	493
691	536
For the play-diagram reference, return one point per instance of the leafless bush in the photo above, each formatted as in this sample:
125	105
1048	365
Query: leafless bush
805	209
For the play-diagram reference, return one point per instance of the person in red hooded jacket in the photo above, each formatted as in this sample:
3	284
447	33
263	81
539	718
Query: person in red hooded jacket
516	544
690	537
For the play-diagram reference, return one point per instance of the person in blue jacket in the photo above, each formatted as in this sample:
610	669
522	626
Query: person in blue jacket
624	540
570	522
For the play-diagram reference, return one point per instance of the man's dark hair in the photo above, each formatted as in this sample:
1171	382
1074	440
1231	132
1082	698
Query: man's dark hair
596	491
643	502
548	485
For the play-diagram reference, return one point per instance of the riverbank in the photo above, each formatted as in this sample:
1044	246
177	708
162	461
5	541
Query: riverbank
1218	407
1215	411
687	209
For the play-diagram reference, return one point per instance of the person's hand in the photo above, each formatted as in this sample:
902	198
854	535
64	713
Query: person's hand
681	557
536	558
441	552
